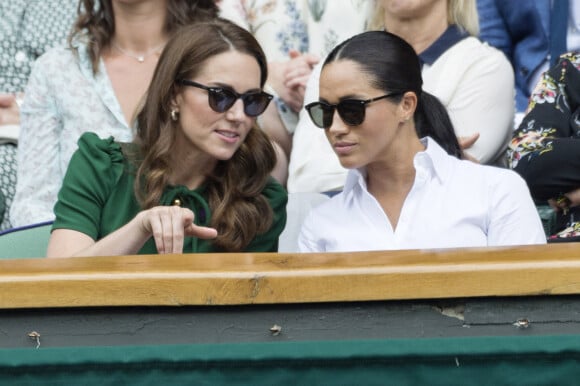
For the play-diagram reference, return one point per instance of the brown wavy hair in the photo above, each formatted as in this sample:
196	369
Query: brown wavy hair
96	22
239	211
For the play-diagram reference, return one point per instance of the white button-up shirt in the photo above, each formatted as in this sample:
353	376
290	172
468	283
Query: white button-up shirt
452	203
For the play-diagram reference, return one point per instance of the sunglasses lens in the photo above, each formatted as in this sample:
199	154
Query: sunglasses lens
256	103
321	114
351	112
220	99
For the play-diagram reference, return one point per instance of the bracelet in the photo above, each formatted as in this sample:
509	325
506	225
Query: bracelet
563	203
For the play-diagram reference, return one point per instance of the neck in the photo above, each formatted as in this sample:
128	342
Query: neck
420	30
140	28
189	167
397	171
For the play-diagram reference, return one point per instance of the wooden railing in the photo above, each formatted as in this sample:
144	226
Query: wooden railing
265	278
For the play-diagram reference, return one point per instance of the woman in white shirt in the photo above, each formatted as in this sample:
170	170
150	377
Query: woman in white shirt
403	190
474	81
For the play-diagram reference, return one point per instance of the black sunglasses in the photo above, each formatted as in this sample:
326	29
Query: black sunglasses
351	111
221	99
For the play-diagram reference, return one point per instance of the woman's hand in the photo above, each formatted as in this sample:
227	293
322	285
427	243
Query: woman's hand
574	197
296	75
465	143
566	201
9	109
169	225
289	78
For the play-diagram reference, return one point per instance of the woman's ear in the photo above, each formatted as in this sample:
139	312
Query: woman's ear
174	107
176	101
407	106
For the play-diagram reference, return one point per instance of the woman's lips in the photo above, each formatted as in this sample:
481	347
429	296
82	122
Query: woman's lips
344	148
228	136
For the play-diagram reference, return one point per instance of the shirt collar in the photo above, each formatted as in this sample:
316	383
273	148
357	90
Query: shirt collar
100	81
433	159
452	35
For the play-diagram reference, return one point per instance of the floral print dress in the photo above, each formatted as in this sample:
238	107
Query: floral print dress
545	149
551	112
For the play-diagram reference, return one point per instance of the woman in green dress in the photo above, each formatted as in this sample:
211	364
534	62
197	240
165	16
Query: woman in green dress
197	176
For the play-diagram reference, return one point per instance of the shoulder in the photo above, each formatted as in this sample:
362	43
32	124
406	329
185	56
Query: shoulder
490	178
96	168
91	142
472	51
55	55
504	179
471	59
98	154
54	65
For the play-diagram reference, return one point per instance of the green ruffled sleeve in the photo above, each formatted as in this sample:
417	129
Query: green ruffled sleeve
92	174
278	198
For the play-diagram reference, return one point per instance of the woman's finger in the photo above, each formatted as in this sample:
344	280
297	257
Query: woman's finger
467	142
7	100
156	230
179	215
200	232
299	81
167	228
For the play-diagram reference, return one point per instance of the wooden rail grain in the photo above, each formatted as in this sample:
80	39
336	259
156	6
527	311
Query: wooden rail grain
266	278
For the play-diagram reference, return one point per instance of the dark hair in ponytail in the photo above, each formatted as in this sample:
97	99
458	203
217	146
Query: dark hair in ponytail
394	67
432	119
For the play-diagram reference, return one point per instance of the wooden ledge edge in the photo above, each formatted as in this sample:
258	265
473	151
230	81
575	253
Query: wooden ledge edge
267	278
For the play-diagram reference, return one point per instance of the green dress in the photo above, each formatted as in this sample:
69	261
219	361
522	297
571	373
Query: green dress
97	198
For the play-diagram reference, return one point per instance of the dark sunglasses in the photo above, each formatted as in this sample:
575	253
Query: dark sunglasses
351	111
222	99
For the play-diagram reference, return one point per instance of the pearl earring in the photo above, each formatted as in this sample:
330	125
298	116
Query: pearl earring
174	114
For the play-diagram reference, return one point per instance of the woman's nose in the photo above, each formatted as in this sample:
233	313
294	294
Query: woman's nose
236	112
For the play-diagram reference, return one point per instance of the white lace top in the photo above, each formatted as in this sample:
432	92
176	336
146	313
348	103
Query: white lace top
63	100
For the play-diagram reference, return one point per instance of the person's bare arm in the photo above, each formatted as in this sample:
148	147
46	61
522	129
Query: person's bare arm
168	225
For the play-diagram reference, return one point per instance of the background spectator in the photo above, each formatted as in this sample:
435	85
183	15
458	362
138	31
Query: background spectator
28	28
532	34
545	148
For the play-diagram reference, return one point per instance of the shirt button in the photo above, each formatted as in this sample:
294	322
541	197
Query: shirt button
177	202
